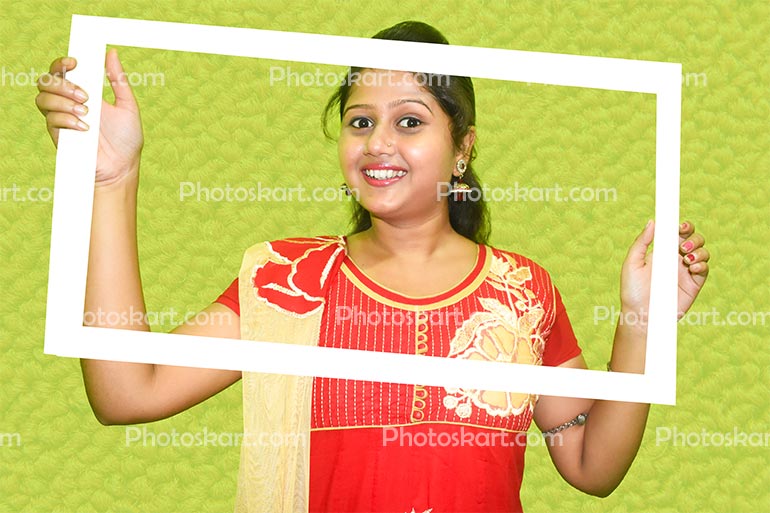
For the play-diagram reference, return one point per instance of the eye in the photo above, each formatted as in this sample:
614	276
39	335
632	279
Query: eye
361	123
409	122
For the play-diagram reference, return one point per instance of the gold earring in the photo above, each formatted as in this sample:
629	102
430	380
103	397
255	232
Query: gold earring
460	189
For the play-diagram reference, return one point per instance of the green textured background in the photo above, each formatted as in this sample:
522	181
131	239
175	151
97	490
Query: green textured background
216	121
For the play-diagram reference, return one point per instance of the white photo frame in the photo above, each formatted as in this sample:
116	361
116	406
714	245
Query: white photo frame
73	200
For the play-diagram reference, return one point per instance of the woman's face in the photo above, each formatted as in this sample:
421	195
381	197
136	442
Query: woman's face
395	147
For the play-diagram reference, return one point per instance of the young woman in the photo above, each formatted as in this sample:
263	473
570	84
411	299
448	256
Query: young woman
415	255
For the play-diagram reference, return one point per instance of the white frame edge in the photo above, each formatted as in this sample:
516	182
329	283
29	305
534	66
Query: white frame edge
73	199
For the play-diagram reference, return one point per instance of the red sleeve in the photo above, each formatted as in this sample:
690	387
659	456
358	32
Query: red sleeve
229	297
561	344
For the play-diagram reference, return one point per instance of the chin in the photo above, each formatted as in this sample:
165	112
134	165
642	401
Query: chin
380	210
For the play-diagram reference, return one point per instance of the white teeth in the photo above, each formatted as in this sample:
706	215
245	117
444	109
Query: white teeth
383	174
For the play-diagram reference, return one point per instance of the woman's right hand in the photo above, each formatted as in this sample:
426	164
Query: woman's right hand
120	129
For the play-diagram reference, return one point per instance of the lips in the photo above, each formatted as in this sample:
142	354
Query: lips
382	174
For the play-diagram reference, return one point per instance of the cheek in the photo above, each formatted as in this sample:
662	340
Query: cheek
348	153
431	156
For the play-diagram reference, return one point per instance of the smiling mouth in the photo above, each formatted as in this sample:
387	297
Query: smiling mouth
383	174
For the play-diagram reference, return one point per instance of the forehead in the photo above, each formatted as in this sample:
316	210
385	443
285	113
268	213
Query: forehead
385	84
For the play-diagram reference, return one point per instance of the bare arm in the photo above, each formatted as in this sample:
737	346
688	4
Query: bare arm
126	393
595	457
129	393
120	392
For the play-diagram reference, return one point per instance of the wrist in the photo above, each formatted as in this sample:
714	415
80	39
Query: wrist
629	346
127	179
633	318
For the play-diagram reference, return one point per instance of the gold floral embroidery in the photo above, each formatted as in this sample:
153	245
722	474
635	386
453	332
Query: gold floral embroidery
500	333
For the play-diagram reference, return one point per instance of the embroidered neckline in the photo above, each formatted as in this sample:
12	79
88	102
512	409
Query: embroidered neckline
390	297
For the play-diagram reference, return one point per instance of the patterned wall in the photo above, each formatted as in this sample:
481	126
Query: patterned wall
212	122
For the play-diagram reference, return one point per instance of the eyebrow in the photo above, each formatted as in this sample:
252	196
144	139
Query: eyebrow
391	105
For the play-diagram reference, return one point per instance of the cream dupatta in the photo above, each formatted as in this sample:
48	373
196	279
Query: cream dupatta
282	288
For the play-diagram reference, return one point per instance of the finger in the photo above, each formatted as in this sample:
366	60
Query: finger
698	255
699	269
638	250
48	83
62	65
686	229
55	120
123	95
48	102
691	243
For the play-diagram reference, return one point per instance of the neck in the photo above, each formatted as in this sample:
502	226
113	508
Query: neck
413	241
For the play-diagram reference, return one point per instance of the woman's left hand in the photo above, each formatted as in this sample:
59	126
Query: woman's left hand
693	269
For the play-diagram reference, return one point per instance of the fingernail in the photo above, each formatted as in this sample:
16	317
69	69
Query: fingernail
80	110
684	226
690	257
687	246
81	125
81	95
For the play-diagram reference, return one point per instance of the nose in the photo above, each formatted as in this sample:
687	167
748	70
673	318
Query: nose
380	141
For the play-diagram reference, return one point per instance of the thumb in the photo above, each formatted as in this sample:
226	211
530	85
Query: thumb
638	250
124	97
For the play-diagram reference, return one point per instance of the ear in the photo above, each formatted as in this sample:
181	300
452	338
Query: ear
468	141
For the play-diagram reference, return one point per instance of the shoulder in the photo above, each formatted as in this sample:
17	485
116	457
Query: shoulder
293	248
292	260
292	275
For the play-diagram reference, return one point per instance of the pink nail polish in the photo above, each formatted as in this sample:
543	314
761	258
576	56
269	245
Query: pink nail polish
687	246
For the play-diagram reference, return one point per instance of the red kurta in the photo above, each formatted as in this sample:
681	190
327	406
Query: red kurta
384	447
